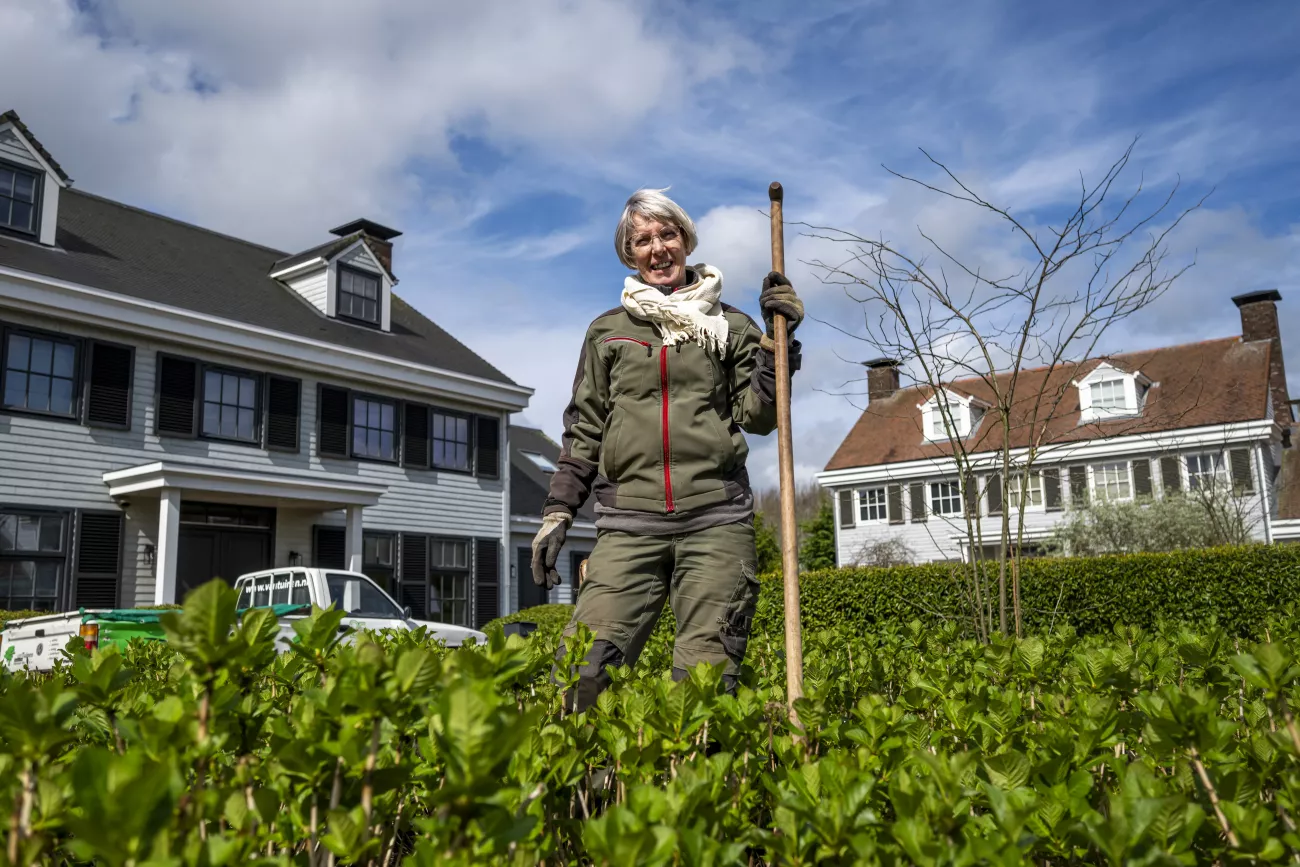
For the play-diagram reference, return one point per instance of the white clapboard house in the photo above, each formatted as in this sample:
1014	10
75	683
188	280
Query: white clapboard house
1134	425
532	463
177	404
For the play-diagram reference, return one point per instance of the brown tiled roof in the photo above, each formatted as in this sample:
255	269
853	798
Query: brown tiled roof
1212	382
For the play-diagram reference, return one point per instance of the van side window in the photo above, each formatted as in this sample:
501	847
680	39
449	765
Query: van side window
245	595
262	592
301	594
280	588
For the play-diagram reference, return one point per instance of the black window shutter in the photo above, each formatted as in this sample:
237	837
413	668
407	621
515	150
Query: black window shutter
283	410
846	509
1052	489
487	452
415	435
487	581
108	386
330	548
178	392
994	489
917	490
413	589
1078	486
1171	474
895	504
1242	478
99	559
332	436
1142	478
971	488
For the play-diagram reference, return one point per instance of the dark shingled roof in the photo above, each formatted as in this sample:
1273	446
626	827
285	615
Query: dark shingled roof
11	116
529	484
1213	382
124	250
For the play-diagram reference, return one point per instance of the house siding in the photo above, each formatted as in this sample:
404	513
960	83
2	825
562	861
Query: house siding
314	288
941	539
13	150
61	464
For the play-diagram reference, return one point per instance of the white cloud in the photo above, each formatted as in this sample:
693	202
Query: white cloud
314	110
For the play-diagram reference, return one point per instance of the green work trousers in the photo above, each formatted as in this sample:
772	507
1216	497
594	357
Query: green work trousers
708	578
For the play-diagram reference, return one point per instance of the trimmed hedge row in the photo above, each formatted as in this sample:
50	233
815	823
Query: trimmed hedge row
1239	586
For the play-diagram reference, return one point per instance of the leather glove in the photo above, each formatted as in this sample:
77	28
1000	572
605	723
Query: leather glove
778	297
546	548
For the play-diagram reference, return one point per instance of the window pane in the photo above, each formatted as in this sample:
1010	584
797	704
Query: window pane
21	217
211	419
368	547
439	421
247	391
439	454
386	444
229	421
359	411
19	347
47	579
462	430
38	392
373	420
229	389
15	388
29	529
42	356
280	588
22	578
64	356
24	187
262	592
359	440
51	533
7	177
462	457
386	417
8	532
372	443
61	396
211	385
246	424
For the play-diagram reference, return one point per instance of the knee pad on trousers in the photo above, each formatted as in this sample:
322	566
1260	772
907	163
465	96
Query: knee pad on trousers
593	678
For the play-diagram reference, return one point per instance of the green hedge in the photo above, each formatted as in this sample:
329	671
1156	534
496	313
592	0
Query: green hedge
1240	587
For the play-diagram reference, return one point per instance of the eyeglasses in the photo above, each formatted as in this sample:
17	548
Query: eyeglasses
666	237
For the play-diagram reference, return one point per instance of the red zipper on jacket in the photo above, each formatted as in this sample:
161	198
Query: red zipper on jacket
663	391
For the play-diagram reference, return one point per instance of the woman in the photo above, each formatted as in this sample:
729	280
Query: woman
667	383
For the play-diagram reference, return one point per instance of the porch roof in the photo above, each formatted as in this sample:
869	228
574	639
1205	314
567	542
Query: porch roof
318	489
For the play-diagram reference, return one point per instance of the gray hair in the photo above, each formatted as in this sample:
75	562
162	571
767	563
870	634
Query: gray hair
654	205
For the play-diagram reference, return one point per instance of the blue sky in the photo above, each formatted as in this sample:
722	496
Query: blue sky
503	138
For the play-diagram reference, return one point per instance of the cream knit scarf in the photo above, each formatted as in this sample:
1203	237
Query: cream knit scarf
693	312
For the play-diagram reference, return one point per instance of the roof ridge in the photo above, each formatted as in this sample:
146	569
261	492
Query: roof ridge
185	223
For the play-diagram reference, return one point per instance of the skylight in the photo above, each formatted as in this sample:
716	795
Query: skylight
543	463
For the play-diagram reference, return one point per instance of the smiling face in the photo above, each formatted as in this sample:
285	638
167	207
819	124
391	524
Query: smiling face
659	252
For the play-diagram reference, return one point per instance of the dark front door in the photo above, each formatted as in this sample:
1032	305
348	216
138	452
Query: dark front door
221	541
529	593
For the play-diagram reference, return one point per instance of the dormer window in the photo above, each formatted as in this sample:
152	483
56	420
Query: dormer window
18	191
957	416
1109	392
359	295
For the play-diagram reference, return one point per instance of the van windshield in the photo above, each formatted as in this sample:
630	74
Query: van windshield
358	596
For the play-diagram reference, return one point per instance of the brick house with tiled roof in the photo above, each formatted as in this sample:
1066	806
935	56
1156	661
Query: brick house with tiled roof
1132	425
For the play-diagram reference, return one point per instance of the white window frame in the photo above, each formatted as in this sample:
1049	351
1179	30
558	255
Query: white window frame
961	412
1219	468
1117	393
866	498
937	498
1098	492
1036	500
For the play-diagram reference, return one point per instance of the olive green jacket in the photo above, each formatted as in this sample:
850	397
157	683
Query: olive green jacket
659	429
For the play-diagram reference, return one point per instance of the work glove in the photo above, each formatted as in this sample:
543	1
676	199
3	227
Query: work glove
546	548
778	297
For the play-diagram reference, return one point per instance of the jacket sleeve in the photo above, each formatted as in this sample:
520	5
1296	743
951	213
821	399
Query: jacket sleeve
752	376
584	428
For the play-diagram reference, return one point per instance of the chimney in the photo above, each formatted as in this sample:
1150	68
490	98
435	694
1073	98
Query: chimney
882	377
379	238
1259	322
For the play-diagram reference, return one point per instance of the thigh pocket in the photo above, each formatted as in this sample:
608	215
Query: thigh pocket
735	624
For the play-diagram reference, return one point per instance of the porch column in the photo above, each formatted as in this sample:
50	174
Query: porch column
352	545
169	538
